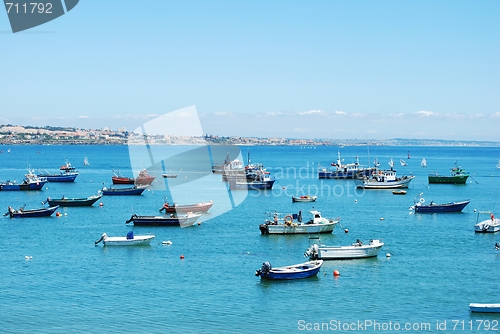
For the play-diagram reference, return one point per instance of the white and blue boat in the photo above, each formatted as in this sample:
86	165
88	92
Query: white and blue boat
296	271
345	171
484	308
421	207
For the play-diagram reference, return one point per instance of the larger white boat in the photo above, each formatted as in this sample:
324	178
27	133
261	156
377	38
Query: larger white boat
384	180
491	225
358	250
293	224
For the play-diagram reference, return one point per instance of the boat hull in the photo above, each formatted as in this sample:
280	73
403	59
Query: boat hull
484	308
305	270
45	212
123	191
237	185
373	184
182	221
441	208
304	199
488	226
458	179
67	177
23	186
200	207
298	228
138	240
349	252
89	201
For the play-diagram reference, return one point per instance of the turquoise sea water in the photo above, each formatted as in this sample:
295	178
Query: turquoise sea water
438	265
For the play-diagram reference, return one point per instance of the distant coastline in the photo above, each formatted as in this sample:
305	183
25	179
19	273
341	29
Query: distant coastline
31	135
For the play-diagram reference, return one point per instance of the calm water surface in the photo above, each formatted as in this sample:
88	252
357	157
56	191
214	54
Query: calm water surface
437	265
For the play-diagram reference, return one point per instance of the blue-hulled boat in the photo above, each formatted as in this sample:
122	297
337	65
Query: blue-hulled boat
87	201
264	183
421	207
59	177
135	190
31	182
296	271
21	213
345	171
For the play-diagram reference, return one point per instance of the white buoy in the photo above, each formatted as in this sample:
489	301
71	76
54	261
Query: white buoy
355	201
168	242
381	218
388	255
28	257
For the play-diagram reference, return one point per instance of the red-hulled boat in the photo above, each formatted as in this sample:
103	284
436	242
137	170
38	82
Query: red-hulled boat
142	178
198	207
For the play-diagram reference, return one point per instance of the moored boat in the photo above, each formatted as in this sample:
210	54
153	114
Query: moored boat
384	180
135	190
491	225
198	207
30	182
129	240
296	271
170	220
484	308
87	201
344	171
263	183
59	177
421	207
457	176
292	224
143	178
399	192
227	166
22	213
358	250
306	198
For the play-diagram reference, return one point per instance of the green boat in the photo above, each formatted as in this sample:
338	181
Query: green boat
458	176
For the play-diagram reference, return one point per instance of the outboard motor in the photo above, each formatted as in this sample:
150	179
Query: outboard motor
104	236
264	270
264	229
130	235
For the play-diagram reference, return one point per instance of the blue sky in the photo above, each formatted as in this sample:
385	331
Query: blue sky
316	69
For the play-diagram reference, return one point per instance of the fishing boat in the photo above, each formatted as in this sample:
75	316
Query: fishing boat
227	166
491	225
423	163
171	220
399	192
357	250
384	180
135	190
87	201
344	171
22	213
306	198
420	206
129	240
67	167
403	163
296	271
198	207
68	176
293	224
457	176
30	182
484	308
262	182
143	178
169	176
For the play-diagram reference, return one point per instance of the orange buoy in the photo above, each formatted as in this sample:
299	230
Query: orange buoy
100	204
182	257
346	231
58	214
199	223
336	273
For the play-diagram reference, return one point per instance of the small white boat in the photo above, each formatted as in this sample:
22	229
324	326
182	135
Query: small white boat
86	161
129	240
423	163
498	164
306	198
403	163
358	250
484	308
292	224
491	225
